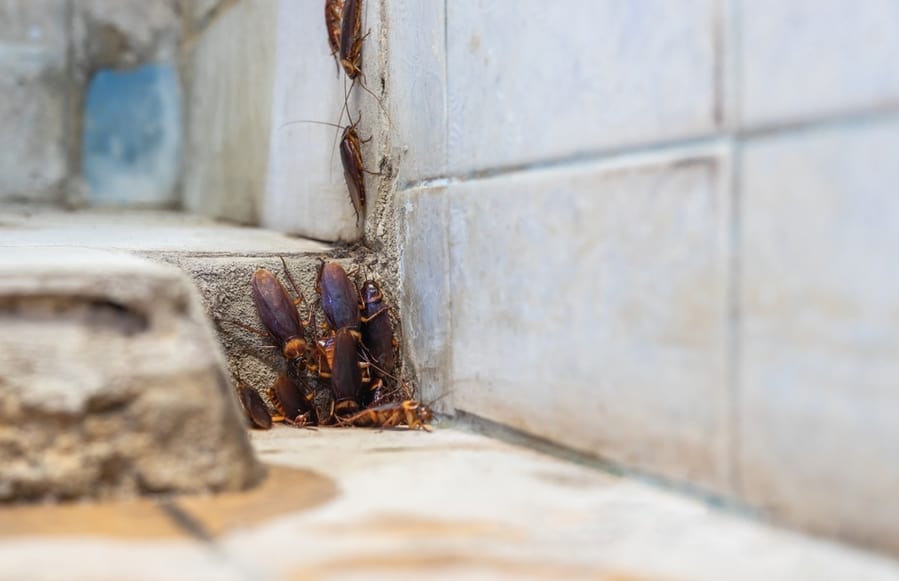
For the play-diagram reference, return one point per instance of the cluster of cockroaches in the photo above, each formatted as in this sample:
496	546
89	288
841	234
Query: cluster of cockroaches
355	353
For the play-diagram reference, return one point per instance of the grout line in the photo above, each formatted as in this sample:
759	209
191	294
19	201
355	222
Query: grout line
446	123
888	110
570	160
735	263
718	66
735	322
186	522
473	423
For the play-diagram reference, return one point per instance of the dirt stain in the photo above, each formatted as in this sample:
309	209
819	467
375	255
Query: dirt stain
405	526
429	565
132	519
285	490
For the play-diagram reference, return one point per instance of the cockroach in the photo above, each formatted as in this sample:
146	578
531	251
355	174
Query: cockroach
351	160
353	168
377	330
324	356
292	405
351	38
411	413
255	408
346	373
351	41
339	296
333	15
279	315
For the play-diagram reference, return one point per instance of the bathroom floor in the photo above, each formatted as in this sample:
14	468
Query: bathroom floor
364	504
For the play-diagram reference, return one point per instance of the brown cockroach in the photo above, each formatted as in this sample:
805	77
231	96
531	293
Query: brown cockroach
333	15
351	160
353	168
351	41
254	407
279	315
292	406
339	296
411	413
324	356
351	38
377	329
346	372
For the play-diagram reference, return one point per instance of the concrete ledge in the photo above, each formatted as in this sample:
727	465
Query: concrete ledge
112	381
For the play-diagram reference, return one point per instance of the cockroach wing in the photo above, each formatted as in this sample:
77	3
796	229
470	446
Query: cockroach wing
276	310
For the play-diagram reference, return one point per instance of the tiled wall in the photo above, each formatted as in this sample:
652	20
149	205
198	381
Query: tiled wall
664	235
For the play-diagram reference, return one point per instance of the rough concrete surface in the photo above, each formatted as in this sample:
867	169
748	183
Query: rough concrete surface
224	283
112	381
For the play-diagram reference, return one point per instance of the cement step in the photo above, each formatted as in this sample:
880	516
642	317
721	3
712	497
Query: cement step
219	257
112	380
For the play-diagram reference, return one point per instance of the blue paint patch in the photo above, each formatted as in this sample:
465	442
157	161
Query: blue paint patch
132	136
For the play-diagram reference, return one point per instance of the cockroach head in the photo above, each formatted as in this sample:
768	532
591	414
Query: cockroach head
294	348
371	292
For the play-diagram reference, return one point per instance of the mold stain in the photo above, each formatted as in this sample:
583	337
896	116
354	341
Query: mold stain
144	518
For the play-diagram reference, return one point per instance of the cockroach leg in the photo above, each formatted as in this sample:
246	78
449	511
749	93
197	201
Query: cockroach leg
247	328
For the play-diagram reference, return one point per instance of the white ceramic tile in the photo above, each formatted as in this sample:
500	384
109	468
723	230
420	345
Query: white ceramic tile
810	58
588	307
536	80
418	87
820	302
424	267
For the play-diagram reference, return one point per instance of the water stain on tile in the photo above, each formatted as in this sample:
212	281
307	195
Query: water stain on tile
433	564
285	490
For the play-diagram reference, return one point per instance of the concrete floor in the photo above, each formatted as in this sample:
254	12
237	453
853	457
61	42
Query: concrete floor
361	504
142	231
